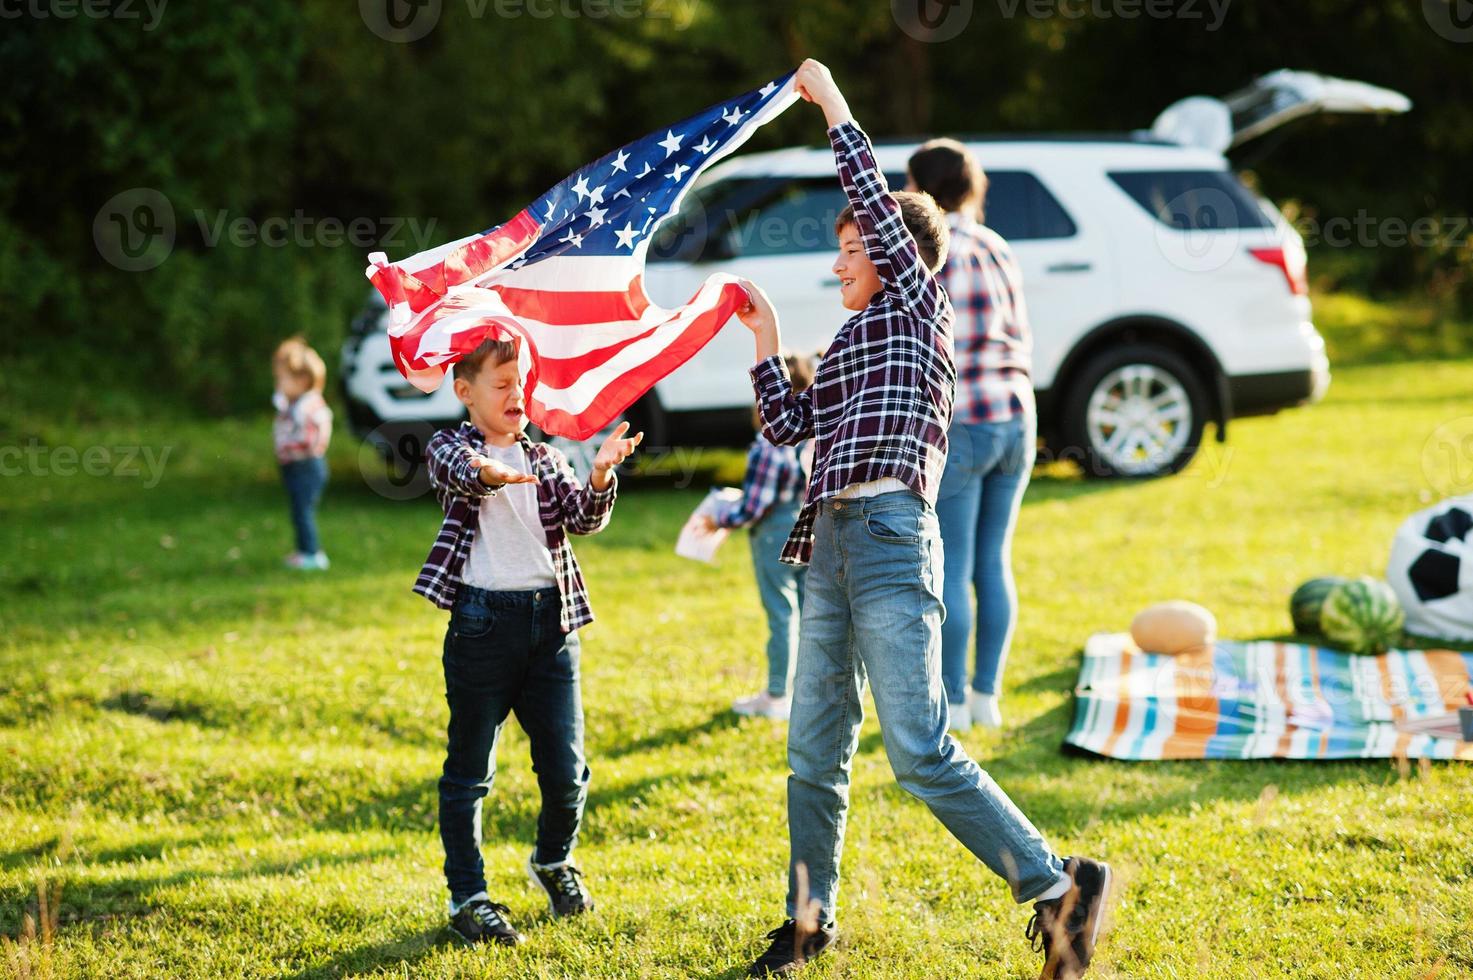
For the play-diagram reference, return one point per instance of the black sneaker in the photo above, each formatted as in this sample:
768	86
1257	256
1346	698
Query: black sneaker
783	956
1065	929
483	921
563	885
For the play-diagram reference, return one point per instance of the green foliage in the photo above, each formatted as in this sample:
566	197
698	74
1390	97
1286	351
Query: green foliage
282	108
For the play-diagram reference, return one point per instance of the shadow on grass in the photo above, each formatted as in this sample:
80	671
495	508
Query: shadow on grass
674	735
85	901
403	952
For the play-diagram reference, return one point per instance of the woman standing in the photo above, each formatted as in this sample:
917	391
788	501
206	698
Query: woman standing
992	437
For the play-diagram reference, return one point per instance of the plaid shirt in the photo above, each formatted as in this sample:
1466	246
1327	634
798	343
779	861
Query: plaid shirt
302	428
881	402
564	504
994	347
774	476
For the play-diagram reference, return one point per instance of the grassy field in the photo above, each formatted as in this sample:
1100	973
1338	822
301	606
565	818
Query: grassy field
213	767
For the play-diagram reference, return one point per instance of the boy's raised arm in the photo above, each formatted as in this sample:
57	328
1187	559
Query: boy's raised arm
882	229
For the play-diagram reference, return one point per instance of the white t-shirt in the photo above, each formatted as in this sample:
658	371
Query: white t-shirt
509	552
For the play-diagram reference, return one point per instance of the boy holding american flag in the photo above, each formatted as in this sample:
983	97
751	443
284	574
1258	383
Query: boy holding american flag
878	412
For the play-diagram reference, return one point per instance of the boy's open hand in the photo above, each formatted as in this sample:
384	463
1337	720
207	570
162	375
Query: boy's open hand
615	450
494	472
814	83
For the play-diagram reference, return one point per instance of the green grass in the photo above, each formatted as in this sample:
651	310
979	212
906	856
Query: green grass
229	770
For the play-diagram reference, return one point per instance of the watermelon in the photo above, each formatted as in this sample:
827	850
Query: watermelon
1308	600
1362	616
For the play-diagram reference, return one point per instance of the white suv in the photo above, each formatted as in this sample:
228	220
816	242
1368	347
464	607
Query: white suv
1162	293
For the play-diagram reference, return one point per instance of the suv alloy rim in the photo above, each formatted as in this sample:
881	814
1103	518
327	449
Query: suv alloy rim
1139	419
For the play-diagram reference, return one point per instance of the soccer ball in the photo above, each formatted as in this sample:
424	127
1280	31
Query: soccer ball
1428	573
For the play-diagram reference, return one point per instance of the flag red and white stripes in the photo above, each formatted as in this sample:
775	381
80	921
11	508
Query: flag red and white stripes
567	279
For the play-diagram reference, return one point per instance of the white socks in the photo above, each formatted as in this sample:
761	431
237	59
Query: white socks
1058	889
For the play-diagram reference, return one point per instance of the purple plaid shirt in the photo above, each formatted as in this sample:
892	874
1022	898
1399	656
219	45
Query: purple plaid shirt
565	506
774	476
881	402
994	347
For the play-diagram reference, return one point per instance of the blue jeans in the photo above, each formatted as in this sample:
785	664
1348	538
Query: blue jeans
506	652
987	470
304	480
872	611
781	589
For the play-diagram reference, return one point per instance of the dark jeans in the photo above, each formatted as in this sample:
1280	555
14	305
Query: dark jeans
506	652
304	479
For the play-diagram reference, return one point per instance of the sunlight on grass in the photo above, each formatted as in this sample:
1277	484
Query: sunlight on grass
226	769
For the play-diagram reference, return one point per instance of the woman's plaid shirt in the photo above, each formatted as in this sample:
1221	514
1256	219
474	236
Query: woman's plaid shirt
994	347
881	402
565	505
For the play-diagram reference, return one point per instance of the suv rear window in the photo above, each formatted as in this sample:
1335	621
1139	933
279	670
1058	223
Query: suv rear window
1193	200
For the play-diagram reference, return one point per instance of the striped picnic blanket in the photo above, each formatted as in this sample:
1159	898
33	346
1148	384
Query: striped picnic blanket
1266	700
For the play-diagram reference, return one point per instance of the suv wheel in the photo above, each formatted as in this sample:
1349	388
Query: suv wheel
1136	411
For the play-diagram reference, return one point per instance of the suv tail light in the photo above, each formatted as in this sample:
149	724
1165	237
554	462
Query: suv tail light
1290	263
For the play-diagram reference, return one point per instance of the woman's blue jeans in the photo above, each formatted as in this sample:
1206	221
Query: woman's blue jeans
987	470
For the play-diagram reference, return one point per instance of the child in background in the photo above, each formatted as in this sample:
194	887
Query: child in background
772	492
301	432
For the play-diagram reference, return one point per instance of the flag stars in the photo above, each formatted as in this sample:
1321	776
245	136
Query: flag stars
767	89
626	235
573	238
644	173
595	217
678	172
732	116
706	146
671	142
596	196
620	162
581	187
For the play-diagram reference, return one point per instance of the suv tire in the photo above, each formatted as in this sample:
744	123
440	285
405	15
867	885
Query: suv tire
1134	411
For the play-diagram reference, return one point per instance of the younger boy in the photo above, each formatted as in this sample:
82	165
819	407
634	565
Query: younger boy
878	411
301	432
503	566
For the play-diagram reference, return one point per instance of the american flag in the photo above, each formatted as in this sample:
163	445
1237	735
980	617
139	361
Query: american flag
566	276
